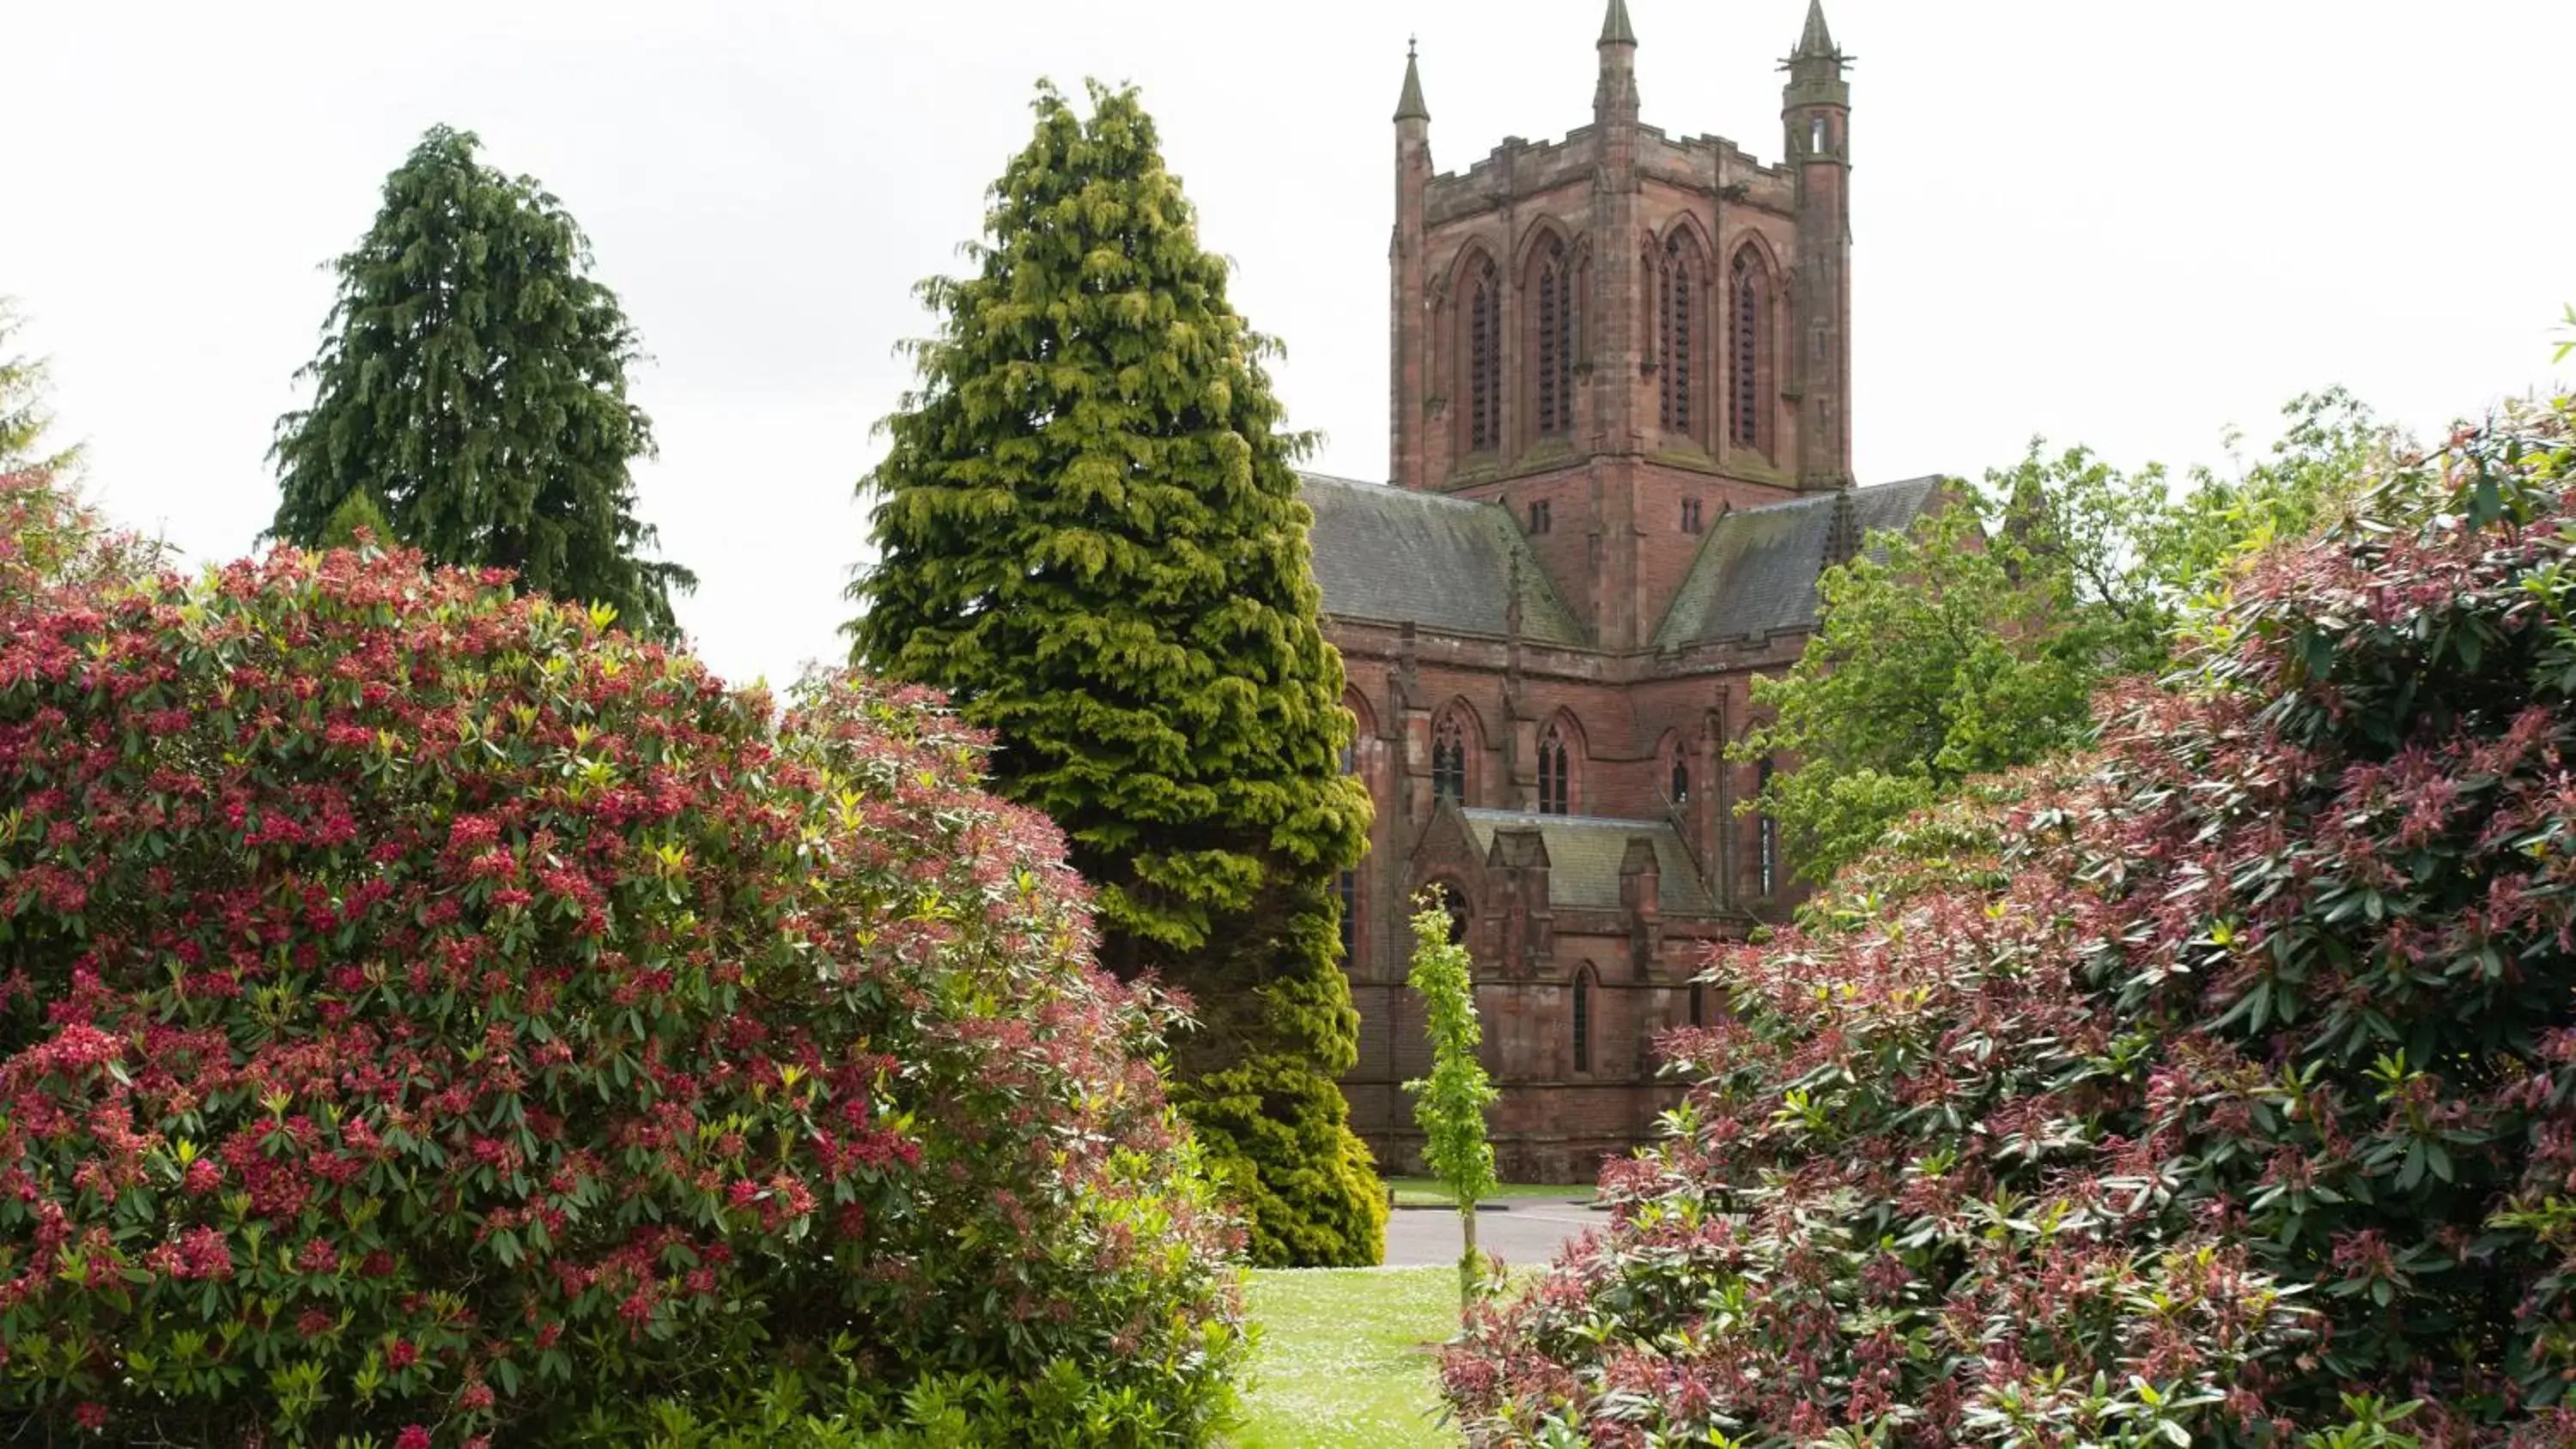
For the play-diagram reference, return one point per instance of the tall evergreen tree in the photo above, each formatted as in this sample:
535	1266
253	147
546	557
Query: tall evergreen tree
1089	534
24	417
471	392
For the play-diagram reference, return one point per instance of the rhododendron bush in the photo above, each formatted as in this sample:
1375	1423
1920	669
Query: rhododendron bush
2216	1087
437	1017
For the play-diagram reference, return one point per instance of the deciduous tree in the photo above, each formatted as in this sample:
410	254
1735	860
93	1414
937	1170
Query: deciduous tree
1946	654
1449	1105
1975	642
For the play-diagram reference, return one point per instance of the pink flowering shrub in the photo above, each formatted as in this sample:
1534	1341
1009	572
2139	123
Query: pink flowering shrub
2217	1087
432	1016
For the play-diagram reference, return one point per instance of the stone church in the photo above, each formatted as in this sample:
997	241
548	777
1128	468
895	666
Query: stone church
1622	456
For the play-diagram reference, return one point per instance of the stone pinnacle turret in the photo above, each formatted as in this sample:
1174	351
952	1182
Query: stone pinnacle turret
1409	106
1615	29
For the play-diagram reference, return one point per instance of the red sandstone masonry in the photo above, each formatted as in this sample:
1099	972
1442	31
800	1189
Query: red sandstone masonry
1619	197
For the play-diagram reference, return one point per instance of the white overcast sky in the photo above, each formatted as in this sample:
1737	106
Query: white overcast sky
2131	224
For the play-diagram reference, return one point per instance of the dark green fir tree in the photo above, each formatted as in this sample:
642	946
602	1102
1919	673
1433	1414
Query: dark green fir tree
470	394
1088	533
24	417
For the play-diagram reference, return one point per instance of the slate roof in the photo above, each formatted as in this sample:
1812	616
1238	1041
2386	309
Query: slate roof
1584	851
1756	571
1393	556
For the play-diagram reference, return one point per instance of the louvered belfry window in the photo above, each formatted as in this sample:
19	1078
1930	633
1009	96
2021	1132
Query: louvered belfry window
1748	350
1555	342
1485	359
1680	296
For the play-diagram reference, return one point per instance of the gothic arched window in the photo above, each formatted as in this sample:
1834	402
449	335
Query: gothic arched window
1749	304
1555	340
1555	777
1347	888
1449	761
1681	777
1484	358
1583	1019
1679	295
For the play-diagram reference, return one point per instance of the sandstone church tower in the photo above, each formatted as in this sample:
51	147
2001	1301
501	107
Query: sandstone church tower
1620	427
1704	354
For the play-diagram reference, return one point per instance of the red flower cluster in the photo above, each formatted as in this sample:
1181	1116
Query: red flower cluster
2217	1087
440	994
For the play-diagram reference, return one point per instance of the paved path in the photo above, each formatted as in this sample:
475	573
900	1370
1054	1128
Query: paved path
1527	1234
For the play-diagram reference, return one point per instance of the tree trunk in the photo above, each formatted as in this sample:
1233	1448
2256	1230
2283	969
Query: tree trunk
1467	1265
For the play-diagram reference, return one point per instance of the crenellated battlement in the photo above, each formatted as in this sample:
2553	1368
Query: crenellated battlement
1519	169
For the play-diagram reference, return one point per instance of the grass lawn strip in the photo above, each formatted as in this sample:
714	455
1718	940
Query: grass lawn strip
1341	1365
1431	1192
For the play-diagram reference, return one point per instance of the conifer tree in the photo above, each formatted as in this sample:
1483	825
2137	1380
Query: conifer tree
471	386
1088	533
23	415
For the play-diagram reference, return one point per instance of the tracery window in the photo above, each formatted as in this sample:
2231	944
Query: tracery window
1542	516
1555	341
1449	761
1749	300
1679	295
1555	776
1484	358
1583	1019
1692	519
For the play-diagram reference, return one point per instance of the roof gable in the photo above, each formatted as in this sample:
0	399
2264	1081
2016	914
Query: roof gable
1584	854
1756	572
1445	565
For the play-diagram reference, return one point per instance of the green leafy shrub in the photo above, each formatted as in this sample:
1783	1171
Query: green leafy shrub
1064	1407
430	1017
2216	1087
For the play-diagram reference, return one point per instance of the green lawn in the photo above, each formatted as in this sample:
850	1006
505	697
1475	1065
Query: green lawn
1426	1191
1343	1362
